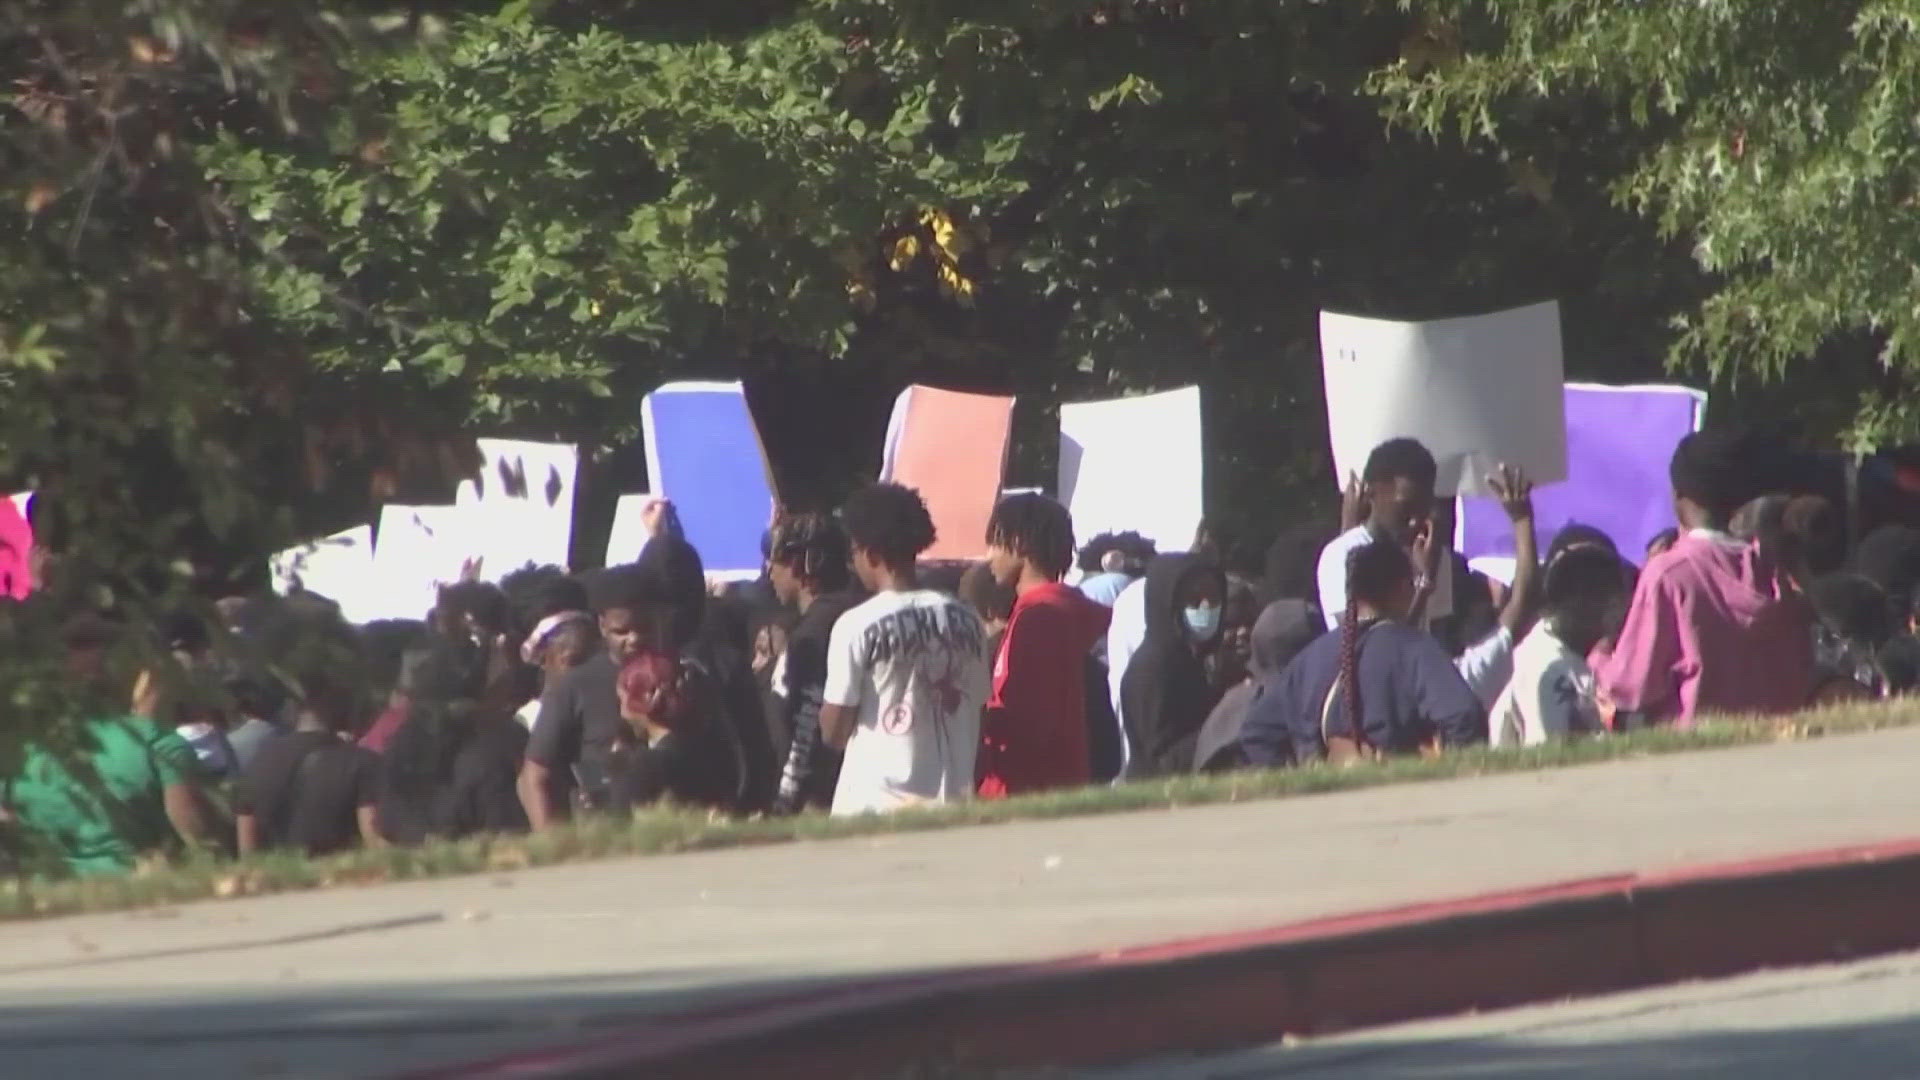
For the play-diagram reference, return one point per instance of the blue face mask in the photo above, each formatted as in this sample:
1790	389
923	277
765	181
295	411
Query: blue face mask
1203	622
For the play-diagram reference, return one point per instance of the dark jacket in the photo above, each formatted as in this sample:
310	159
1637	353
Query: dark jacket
1410	693
676	579
1165	692
1283	629
812	768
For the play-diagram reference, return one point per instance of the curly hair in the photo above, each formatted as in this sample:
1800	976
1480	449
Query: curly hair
1720	470
1137	550
1401	459
890	522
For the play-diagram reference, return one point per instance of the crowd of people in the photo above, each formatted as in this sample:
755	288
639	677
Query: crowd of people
854	678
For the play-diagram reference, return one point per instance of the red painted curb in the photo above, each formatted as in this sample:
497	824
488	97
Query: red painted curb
1491	951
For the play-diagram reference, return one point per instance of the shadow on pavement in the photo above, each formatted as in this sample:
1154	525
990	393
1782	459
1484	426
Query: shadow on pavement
370	1032
1883	1050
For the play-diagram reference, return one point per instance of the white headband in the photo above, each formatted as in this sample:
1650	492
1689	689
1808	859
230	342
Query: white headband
530	649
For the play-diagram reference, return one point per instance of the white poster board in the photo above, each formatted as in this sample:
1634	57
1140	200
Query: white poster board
521	502
419	549
1137	464
338	567
1479	392
629	536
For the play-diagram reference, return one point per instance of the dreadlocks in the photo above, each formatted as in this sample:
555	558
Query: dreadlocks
1035	528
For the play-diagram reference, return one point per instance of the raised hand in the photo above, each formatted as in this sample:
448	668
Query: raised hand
1353	503
1514	490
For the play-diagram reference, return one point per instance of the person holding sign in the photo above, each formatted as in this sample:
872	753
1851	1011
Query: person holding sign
1398	489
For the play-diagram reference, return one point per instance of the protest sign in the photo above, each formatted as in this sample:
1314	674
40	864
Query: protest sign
521	505
338	567
629	535
704	454
1620	443
951	448
1134	464
1478	392
419	549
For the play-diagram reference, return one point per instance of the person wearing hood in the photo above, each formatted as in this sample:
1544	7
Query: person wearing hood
1283	629
1166	693
673	585
1034	733
1715	626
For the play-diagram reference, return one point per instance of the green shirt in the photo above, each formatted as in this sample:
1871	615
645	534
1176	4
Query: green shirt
102	811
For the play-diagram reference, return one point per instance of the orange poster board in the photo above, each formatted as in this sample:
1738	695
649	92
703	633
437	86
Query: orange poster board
952	448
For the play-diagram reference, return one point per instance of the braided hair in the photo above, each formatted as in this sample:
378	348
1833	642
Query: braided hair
1035	528
1375	572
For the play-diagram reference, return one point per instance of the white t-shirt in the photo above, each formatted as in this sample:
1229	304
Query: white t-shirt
916	666
1125	634
1551	695
1487	666
1332	575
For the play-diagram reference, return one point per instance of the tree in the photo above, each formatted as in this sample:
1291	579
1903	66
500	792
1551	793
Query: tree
562	204
1775	138
162	423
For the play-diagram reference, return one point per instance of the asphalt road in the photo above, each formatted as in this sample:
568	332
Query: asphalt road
360	982
1858	1021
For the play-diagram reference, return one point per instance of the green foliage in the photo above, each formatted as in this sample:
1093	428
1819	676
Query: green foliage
137	392
540	215
1776	139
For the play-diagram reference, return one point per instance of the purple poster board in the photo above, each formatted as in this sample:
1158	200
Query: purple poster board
1620	442
703	452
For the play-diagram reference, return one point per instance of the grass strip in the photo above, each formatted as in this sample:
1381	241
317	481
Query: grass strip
667	830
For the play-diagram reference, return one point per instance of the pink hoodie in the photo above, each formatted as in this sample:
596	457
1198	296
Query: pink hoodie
1714	628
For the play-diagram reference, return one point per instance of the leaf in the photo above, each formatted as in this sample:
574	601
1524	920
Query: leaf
500	127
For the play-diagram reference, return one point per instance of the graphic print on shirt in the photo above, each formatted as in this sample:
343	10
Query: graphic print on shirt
921	630
915	665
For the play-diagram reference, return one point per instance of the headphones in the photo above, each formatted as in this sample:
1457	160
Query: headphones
802	539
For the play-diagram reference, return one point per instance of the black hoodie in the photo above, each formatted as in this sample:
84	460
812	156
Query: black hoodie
1165	692
676	577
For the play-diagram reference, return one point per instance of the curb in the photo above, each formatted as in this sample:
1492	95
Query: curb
1500	950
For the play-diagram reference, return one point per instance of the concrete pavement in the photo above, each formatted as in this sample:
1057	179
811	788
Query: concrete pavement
375	980
1858	1021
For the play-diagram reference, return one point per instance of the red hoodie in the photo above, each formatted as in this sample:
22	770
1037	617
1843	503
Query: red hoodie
1034	734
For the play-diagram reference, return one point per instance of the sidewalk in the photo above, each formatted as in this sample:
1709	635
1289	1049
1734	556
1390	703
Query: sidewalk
388	979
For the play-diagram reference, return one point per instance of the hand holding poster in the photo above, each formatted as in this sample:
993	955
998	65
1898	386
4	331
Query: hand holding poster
1620	442
951	448
629	536
1479	392
1134	464
704	453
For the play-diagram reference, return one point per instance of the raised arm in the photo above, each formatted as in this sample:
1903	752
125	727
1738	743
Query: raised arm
1515	493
